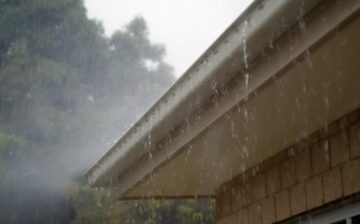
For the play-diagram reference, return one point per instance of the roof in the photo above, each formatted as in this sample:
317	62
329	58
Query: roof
192	139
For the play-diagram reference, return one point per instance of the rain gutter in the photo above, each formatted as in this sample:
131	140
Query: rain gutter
159	134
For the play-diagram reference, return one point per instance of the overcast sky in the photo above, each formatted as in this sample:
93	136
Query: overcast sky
186	27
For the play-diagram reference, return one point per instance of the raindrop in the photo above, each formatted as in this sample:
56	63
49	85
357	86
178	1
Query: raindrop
99	204
213	84
150	155
246	115
308	59
233	133
271	44
343	42
298	105
239	108
247	76
291	151
304	88
242	168
302	26
327	102
246	151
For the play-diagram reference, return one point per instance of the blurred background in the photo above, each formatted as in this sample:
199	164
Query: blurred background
74	77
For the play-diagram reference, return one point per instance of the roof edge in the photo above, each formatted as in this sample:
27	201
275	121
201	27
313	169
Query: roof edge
259	22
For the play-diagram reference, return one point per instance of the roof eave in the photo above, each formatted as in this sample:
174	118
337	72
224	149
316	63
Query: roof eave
251	32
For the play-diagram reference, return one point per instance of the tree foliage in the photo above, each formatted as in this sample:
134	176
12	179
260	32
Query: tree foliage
66	93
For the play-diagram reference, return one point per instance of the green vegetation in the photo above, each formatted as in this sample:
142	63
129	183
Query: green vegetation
67	92
93	210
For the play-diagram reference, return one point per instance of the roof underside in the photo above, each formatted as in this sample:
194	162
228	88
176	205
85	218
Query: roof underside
311	94
304	80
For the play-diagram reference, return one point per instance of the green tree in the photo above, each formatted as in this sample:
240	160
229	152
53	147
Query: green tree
67	92
184	211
